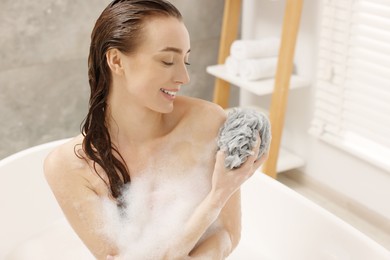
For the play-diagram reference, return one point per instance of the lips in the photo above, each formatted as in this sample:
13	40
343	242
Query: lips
171	93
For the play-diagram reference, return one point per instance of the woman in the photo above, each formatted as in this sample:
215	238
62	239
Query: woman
139	134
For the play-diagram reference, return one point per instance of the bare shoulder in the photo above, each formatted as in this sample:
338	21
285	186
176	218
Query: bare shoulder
205	112
63	165
204	117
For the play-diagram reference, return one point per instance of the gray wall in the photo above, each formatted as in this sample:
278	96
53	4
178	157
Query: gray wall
43	64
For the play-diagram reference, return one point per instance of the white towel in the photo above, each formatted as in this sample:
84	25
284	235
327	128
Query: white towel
255	69
232	65
252	49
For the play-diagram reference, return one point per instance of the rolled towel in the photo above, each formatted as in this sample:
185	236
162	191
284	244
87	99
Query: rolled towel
238	136
232	65
255	69
253	49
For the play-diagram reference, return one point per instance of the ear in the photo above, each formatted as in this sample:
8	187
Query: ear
114	61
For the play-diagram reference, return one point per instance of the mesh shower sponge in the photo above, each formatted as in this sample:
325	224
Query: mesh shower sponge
237	137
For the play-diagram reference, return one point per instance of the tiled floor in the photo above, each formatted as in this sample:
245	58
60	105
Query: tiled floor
378	230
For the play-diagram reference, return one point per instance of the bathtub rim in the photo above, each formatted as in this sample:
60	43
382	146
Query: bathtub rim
41	147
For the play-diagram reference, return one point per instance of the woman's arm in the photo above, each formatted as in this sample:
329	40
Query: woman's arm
226	236
225	183
80	203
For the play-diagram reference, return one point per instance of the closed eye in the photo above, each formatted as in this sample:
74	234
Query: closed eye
171	63
167	63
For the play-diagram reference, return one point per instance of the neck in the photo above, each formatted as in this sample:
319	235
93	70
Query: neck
134	125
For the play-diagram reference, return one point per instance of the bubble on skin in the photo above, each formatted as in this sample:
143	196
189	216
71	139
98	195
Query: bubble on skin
158	205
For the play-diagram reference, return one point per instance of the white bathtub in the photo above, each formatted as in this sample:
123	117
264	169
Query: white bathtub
277	223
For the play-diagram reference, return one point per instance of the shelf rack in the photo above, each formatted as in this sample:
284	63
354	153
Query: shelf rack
278	87
259	87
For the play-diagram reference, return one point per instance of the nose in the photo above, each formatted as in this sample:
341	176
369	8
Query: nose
181	76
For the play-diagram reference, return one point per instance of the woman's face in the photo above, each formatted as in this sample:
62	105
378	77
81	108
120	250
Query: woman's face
157	69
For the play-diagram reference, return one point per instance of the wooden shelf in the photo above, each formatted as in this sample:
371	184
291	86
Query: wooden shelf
278	86
260	87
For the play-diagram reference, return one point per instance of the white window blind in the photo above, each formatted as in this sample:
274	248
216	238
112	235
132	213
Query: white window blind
352	106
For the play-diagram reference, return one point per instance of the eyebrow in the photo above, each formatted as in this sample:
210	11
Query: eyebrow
173	49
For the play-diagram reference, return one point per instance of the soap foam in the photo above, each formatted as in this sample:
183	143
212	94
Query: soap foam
157	205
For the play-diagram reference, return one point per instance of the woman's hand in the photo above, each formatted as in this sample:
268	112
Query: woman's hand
225	182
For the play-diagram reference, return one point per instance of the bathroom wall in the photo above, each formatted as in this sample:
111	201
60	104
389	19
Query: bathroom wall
43	64
358	181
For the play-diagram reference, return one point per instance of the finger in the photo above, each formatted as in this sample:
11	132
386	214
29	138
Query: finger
256	148
248	162
260	161
220	160
220	155
258	141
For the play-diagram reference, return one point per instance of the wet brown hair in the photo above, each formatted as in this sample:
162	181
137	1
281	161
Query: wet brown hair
120	26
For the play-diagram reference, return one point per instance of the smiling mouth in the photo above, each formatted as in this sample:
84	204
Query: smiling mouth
171	93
